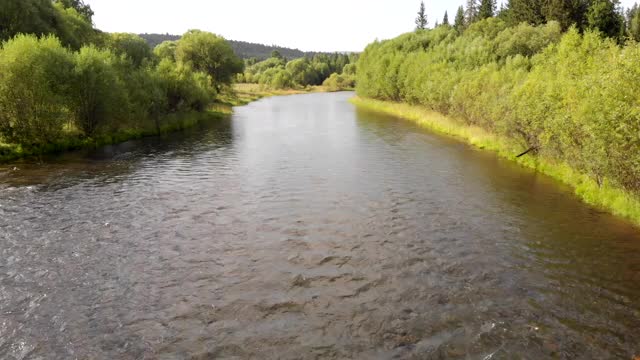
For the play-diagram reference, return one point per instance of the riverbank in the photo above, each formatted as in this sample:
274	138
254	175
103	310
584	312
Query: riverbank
605	196
166	124
247	93
238	95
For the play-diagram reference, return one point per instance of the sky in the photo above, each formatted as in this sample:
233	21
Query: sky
311	25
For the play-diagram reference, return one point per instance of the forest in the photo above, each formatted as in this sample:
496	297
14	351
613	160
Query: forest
334	71
559	78
244	50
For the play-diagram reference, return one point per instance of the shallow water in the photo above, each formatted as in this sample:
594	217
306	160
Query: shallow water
304	228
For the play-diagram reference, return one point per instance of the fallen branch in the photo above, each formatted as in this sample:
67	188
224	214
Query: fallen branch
526	152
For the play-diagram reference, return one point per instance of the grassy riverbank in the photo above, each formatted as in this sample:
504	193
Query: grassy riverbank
605	196
246	93
72	141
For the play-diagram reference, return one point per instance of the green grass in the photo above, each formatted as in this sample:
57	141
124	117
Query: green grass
607	197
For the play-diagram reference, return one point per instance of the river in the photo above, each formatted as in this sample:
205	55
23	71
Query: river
302	227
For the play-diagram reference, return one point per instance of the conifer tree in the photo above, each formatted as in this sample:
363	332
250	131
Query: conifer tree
487	9
421	20
459	21
445	21
471	12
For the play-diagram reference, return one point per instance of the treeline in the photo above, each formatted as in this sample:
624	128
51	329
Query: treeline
62	80
335	71
606	16
244	50
571	97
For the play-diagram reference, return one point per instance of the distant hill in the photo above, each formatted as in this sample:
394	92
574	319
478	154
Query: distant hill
243	49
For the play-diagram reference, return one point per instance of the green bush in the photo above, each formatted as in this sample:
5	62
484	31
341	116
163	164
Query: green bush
33	89
337	82
97	91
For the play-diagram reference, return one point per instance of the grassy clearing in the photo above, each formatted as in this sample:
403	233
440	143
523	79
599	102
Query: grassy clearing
607	197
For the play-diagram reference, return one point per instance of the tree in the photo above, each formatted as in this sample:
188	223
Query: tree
604	16
445	21
471	12
73	29
166	50
131	46
79	5
633	22
33	78
302	72
276	54
421	20
97	93
459	21
529	11
44	17
210	54
566	12
487	9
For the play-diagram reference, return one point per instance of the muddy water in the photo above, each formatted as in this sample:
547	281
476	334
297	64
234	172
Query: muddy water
304	228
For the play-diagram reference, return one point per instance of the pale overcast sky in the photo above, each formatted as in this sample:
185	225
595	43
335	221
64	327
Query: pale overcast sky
325	25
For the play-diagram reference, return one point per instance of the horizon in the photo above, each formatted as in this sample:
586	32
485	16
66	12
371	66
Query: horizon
272	22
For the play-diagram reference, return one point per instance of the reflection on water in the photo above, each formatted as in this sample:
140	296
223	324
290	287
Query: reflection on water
302	228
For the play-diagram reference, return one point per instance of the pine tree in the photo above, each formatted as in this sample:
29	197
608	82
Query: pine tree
471	12
445	21
487	9
604	15
459	21
421	20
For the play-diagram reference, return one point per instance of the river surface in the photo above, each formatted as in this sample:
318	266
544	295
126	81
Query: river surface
304	228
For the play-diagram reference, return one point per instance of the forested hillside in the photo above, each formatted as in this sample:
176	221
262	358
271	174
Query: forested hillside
243	49
562	81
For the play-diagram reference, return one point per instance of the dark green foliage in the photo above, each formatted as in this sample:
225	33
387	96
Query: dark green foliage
445	20
27	17
603	16
567	95
44	17
421	20
130	46
528	11
487	9
79	6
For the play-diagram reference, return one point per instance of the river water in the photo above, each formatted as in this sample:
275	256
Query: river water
304	228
